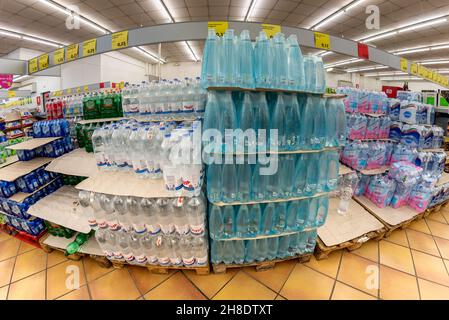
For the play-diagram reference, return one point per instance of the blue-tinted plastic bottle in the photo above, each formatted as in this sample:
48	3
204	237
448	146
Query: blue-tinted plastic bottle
333	167
228	121
250	251
261	121
268	219
209	70
331	123
228	222
280	62
303	213
279	217
319	130
301	174
228	252
287	169
292	122
214	174
312	174
323	172
310	73
227	62
229	183
292	212
263	62
216	251
302	124
216	222
278	123
246	61
239	251
254	219
242	220
273	245
296	79
284	243
262	249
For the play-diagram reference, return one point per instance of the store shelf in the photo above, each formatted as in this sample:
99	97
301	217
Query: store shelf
90	247
267	90
61	207
282	234
75	163
100	120
388	215
356	224
442	110
127	184
237	203
21	168
32	143
83	89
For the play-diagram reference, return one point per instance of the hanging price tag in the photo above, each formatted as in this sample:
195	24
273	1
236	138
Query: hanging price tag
43	62
72	52
271	29
322	41
69	91
220	27
58	56
414	68
78	89
32	65
86	88
119	40
404	65
11	94
89	47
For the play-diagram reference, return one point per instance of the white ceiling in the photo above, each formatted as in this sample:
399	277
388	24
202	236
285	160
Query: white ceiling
35	18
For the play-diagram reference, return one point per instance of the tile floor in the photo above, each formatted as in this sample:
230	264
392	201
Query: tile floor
410	264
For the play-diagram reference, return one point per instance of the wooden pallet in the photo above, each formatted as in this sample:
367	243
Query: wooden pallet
260	266
436	208
162	269
322	251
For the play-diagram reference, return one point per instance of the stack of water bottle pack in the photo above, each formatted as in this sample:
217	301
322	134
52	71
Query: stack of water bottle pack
277	63
152	151
149	231
364	101
164	99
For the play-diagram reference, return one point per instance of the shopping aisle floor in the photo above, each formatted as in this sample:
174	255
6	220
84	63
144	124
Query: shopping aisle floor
410	264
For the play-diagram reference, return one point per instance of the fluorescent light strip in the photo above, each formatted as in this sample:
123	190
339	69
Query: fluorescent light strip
10	34
366	69
56	7
427	63
336	14
91	24
412	51
19	78
399	78
149	54
191	51
380	74
41	41
342	63
381	36
250	9
17	35
423	25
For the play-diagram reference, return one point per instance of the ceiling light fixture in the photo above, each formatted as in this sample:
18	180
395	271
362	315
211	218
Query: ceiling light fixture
336	14
149	54
381	36
10	34
366	69
423	25
191	51
440	47
412	51
250	9
427	63
41	41
329	69
399	78
342	63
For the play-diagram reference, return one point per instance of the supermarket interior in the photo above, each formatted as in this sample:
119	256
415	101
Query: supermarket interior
224	150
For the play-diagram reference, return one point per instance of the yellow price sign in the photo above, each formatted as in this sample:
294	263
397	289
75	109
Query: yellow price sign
119	40
58	56
220	27
86	88
11	94
43	62
69	91
271	29
414	68
72	52
404	65
89	47
78	89
121	85
322	41
32	65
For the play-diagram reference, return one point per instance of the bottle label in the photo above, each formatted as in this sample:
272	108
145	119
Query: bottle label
152	259
102	223
129	257
118	255
114	226
201	260
140	166
175	261
183	229
92	223
163	260
197	229
153	228
142	259
108	254
168	229
188	261
107	103
139	228
188	107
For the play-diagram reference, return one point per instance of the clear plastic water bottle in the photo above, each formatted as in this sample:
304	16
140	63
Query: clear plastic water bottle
200	250
302	162
148	247
98	145
239	251
216	251
292	121
165	219
229	183
163	250
310	73
227	252
227	63
228	222
124	240
261	120
196	209
262	249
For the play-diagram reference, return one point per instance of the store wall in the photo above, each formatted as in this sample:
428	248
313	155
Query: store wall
363	82
23	54
181	70
117	67
415	85
81	72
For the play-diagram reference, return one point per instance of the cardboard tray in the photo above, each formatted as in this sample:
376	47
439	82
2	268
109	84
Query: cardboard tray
32	143
100	120
21	196
9	160
388	215
90	247
21	168
342	228
61	207
444	179
76	163
126	184
344	170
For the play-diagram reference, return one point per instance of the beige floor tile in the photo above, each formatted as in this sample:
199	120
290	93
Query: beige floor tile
116	285
437	216
395	256
344	292
93	269
328	266
422	242
443	245
55	257
146	280
29	263
4	236
6	268
80	294
398	236
9	248
305	283
446	262
61	278
397	285
273	278
368	250
419	225
177	287
432	291
280	298
445	214
430	268
30	288
359	273
3	292
439	229
212	283
25	247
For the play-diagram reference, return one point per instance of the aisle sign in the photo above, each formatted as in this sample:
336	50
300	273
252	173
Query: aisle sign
404	65
119	40
271	29
414	68
58	56
89	47
322	41
43	61
219	26
11	94
72	52
32	65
